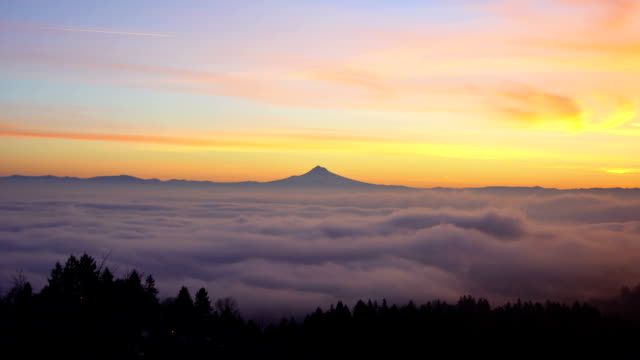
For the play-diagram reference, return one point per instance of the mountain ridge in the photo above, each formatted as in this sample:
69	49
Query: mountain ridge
318	177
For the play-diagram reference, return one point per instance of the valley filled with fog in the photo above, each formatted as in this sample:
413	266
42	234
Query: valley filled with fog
286	252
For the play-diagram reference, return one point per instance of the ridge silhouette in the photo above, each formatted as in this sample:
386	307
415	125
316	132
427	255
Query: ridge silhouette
317	177
319	170
320	177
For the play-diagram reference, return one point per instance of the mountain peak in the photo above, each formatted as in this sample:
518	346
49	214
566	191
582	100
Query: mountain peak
318	170
318	177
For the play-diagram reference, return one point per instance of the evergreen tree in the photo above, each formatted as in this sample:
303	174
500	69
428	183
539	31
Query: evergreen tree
123	323
184	300
56	275
106	277
202	302
150	287
133	280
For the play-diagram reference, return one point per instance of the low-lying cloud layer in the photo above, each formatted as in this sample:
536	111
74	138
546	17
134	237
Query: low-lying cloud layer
289	252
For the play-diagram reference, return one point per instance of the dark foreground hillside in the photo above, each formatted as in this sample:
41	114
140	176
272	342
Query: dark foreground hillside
84	312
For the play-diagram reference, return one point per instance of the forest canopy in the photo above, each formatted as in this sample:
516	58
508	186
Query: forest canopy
84	310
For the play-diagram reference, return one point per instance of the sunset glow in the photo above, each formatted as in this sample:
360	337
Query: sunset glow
462	94
298	179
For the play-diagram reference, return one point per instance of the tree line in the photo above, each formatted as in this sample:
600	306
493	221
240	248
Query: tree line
84	311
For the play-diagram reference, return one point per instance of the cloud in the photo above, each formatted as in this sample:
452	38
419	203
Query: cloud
353	77
621	171
300	140
282	253
541	109
489	222
602	14
532	106
283	138
393	67
152	139
89	30
613	13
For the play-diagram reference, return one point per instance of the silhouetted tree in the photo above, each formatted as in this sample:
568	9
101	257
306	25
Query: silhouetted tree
227	306
202	303
20	292
85	311
184	301
106	277
150	288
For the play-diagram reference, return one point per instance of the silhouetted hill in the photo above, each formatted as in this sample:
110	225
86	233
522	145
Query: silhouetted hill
122	179
317	178
320	177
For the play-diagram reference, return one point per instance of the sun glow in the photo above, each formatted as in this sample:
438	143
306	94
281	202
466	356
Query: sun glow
492	101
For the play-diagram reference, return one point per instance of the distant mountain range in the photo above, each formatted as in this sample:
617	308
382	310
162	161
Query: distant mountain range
317	178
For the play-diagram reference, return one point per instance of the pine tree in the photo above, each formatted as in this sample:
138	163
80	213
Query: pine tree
56	275
150	287
107	276
203	302
184	301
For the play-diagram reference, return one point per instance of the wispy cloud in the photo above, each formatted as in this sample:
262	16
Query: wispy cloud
551	111
602	14
102	31
298	141
535	106
262	139
150	139
612	13
622	171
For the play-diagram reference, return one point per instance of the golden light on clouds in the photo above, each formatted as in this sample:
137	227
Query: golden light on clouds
609	116
530	107
622	171
490	100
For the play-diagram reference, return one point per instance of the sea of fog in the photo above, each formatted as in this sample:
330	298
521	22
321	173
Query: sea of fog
289	252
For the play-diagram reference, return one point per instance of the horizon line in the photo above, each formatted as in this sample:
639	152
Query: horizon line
166	180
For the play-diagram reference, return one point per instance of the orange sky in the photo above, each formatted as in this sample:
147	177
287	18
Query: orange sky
468	93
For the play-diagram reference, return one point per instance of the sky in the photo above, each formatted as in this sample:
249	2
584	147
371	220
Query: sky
454	93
